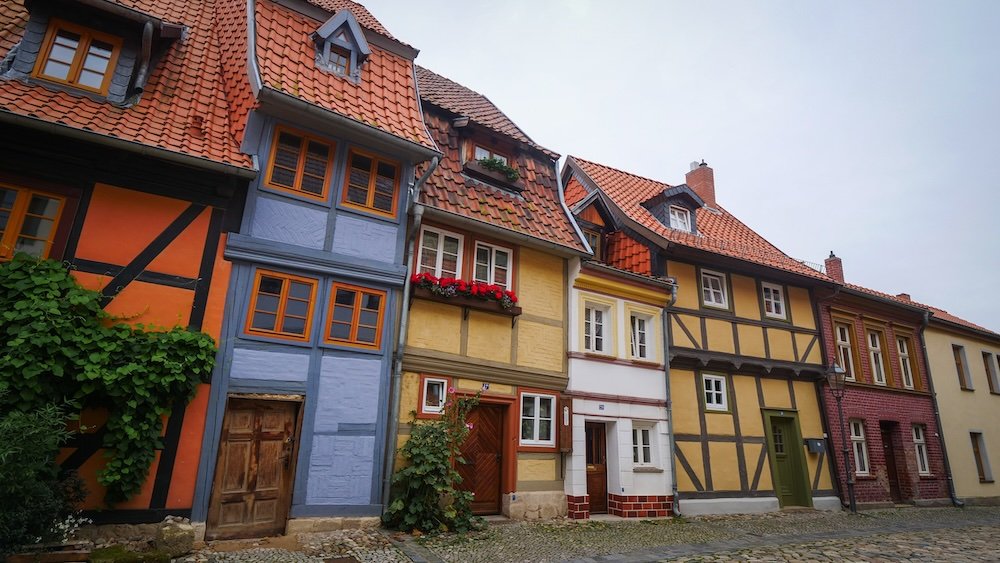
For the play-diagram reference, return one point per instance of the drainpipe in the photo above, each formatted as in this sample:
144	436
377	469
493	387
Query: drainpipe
404	319
253	69
937	416
670	415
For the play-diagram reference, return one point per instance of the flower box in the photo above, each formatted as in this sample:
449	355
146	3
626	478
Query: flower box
467	303
480	172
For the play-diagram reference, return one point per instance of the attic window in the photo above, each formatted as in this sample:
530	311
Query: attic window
680	218
77	56
341	47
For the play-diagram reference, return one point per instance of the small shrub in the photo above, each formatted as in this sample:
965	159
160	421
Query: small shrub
498	165
35	499
426	498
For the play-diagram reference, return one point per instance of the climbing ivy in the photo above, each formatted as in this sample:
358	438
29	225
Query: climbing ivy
426	497
58	345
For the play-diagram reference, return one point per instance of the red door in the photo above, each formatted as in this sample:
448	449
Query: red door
597	467
483	455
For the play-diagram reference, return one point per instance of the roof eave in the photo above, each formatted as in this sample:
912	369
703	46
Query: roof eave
126	145
915	308
950	325
527	240
280	102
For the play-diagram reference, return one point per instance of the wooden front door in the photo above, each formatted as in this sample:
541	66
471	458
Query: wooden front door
787	463
252	489
597	467
891	471
482	453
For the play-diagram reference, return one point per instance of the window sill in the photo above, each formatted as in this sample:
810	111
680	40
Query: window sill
478	171
646	469
927	476
467	303
987	481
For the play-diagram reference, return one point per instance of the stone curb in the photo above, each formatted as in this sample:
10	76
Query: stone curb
410	548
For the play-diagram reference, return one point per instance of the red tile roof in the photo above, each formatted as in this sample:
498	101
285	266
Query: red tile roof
385	98
364	17
452	96
574	192
183	108
535	212
625	253
943	315
719	231
937	314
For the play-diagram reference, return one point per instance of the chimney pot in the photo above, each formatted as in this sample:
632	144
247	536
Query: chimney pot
835	267
701	180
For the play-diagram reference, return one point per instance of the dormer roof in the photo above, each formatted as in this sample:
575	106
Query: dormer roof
342	27
676	193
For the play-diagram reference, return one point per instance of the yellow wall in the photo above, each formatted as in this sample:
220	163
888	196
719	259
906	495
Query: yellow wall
963	411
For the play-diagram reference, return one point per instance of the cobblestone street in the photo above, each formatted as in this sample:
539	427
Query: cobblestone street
927	534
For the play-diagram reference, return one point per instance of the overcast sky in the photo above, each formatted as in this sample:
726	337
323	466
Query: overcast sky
869	128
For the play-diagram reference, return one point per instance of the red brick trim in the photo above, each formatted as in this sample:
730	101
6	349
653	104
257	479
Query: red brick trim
640	506
579	507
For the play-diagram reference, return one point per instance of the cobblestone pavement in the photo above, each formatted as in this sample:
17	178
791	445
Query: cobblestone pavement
781	536
925	534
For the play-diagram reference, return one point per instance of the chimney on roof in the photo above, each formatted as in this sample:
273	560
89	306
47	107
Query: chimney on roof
834	267
904	296
701	180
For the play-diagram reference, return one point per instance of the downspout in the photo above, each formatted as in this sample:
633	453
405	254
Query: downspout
955	501
404	319
670	414
147	50
253	69
821	394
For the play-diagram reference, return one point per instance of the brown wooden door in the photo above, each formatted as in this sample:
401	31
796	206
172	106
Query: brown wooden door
597	467
482	453
254	472
891	472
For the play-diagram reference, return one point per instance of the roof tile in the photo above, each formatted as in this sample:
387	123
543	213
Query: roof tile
719	231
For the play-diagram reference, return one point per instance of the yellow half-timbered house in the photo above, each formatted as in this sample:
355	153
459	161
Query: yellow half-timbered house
745	351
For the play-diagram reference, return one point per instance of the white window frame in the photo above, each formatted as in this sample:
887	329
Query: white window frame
640	351
845	354
717	387
429	409
439	252
590	323
537	418
859	446
642	443
681	220
920	449
776	300
723	290
905	367
491	266
875	357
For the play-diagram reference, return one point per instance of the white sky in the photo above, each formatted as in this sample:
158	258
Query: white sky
870	128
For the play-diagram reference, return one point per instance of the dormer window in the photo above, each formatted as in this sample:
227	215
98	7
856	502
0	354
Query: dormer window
680	218
483	153
77	56
341	47
594	240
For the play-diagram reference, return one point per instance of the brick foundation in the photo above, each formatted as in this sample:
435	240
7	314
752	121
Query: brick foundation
579	507
640	506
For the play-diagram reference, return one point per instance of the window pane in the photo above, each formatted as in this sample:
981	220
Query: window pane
343	314
369	301
283	177
545	407
41	205
270	285
345	297
368	318
545	430
101	49
7	198
528	407
267	303
300	290
56	70
481	153
340	331
33	247
527	429
366	334
295	308
36	227
264	321
312	184
293	325
434	396
4	216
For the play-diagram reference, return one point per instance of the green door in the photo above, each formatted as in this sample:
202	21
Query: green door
788	464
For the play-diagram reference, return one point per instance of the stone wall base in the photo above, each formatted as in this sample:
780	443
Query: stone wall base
932	502
832	504
330	524
541	505
982	501
876	505
699	507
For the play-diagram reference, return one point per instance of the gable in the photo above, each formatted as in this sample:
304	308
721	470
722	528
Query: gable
592	215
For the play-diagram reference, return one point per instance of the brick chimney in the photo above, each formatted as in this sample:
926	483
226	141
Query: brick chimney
835	268
904	296
701	179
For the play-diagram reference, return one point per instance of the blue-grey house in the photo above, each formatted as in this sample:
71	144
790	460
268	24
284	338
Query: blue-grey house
325	101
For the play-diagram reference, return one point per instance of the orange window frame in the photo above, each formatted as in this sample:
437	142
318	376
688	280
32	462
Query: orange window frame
17	214
356	317
87	36
300	164
282	301
369	205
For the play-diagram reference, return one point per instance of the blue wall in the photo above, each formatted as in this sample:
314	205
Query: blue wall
345	389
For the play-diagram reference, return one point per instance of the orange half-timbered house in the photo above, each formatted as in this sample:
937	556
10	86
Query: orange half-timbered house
117	158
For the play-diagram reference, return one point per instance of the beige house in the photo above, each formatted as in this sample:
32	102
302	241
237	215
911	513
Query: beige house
964	362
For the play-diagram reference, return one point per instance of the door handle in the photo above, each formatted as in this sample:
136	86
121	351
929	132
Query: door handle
286	451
